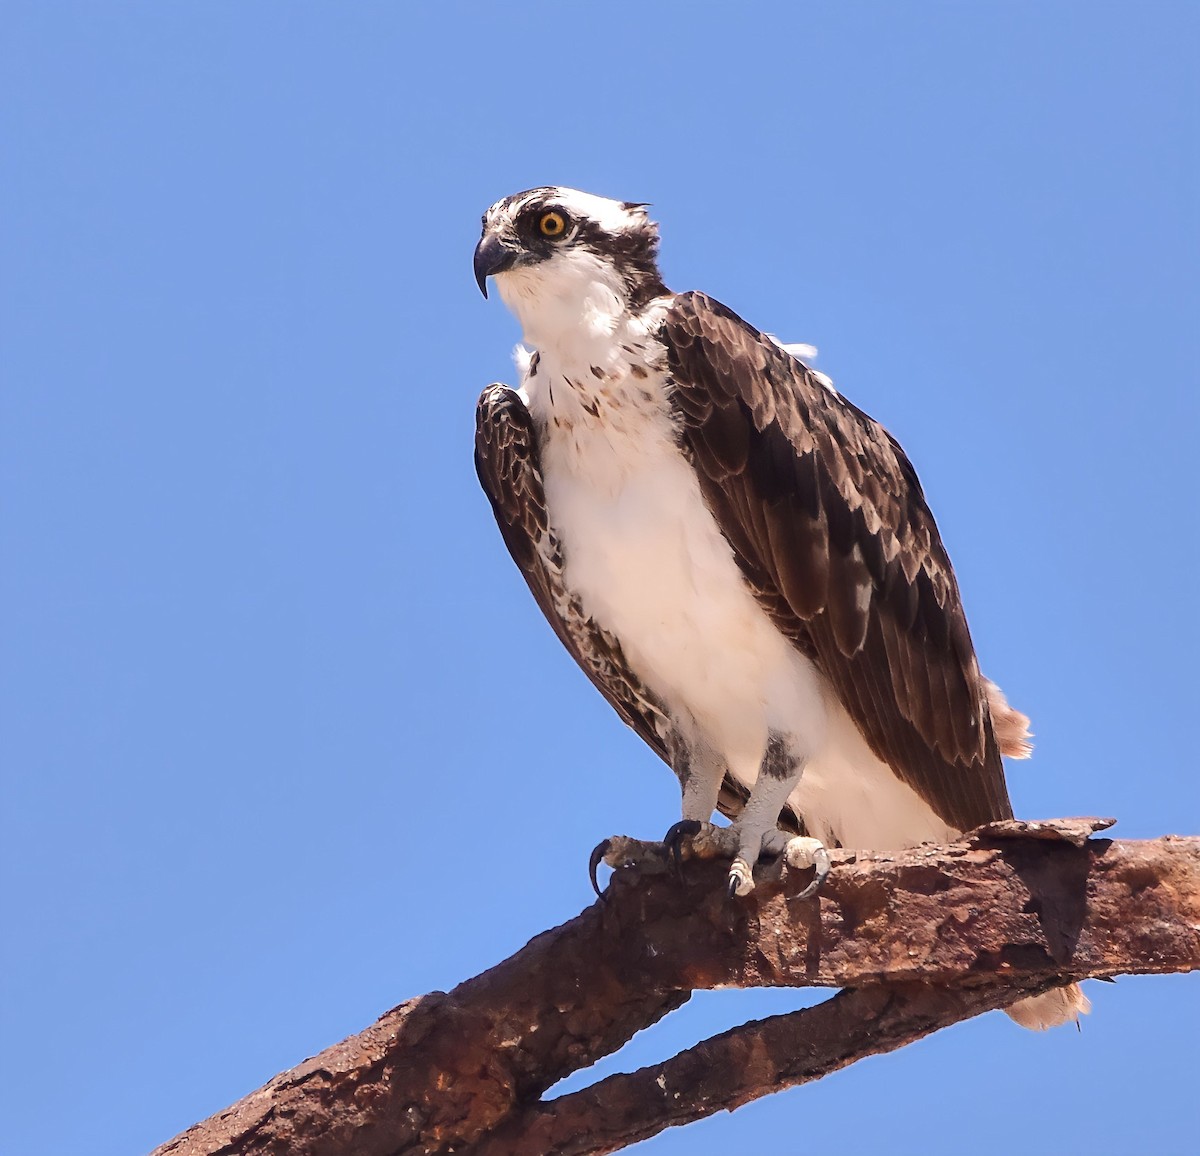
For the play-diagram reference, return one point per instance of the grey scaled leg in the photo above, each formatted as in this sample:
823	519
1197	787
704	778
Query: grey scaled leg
701	771
756	827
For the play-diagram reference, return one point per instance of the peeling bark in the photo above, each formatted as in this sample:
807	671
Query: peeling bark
927	936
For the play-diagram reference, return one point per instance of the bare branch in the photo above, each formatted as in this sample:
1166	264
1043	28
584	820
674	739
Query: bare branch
948	931
740	1065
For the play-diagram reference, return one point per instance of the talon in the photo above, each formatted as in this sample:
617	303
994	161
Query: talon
741	880
673	840
809	853
597	857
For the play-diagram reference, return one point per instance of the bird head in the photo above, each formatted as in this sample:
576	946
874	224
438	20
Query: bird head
562	250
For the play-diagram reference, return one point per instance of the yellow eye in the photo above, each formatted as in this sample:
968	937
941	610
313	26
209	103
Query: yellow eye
552	224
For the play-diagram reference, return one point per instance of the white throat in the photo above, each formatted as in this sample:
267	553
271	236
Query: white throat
569	307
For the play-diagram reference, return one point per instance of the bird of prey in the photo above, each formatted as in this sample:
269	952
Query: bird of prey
741	560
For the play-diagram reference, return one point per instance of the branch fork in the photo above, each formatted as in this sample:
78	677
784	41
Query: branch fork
918	940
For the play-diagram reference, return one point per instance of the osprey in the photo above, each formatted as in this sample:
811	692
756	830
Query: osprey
741	561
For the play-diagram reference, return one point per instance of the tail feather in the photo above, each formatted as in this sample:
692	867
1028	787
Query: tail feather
1011	727
1060	1005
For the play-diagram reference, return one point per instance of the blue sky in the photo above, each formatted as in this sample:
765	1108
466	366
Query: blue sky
284	738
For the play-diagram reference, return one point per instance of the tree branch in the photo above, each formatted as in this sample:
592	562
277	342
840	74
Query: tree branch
740	1065
930	936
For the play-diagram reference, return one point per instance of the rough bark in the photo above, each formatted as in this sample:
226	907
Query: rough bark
740	1065
926	937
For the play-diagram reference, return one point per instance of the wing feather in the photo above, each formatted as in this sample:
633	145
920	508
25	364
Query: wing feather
830	526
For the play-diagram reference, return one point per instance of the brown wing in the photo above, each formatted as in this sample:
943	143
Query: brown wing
830	527
507	461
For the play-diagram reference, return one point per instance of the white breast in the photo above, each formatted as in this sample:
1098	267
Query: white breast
649	564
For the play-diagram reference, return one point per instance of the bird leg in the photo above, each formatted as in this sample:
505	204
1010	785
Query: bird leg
755	827
700	772
752	836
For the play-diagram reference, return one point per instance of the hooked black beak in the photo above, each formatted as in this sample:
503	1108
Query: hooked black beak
492	256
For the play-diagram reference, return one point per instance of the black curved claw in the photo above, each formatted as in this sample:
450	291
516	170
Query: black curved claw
673	840
822	865
598	852
732	886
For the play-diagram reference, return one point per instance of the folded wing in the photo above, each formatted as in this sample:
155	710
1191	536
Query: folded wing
831	530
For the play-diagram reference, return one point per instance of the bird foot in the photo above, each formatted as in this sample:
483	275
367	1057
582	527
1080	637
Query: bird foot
778	854
802	853
700	841
623	851
690	839
708	841
687	839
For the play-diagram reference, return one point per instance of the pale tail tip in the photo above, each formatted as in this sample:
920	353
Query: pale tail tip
1051	1009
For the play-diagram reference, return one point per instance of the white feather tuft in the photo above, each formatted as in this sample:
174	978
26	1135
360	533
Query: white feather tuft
804	353
800	350
1051	1009
1010	725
